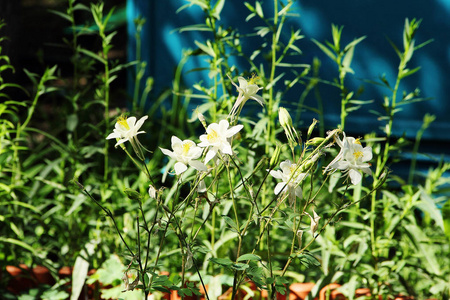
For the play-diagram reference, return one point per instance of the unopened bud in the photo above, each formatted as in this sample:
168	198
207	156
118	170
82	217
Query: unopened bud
299	237
286	123
275	157
314	222
308	164
284	117
201	118
311	128
315	141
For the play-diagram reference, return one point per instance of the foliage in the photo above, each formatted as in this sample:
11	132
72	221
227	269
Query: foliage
243	195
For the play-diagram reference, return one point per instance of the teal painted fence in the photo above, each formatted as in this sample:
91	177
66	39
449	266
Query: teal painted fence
162	49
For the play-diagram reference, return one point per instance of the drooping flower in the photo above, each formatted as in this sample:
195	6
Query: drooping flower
126	129
247	90
217	138
352	158
185	153
290	178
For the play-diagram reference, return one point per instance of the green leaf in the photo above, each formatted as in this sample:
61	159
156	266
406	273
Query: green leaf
249	256
446	217
18	243
61	14
93	55
221	261
239	266
325	50
258	10
231	223
206	48
218	9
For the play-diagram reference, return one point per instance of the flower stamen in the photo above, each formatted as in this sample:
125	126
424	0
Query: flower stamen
122	120
212	136
357	154
186	147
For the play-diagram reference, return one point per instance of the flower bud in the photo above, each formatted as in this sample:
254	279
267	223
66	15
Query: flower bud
275	157
284	117
289	130
201	118
308	164
315	141
311	128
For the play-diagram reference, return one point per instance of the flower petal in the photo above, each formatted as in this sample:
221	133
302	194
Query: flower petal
355	176
233	130
180	168
114	135
199	166
279	187
168	152
210	155
175	140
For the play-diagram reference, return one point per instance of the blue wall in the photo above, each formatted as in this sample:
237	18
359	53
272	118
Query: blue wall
373	57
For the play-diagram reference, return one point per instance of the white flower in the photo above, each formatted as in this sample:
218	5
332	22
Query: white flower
352	158
185	153
290	178
247	90
126	129
217	138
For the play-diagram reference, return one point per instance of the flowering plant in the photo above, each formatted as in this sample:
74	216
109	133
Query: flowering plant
227	182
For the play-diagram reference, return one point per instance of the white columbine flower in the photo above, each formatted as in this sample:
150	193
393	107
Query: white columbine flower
217	138
247	90
290	178
352	158
185	153
126	129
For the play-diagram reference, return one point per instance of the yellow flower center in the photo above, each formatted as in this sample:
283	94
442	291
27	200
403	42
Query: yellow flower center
186	147
293	170
212	136
357	154
122	120
253	79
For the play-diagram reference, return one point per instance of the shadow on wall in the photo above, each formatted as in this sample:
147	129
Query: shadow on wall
378	20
